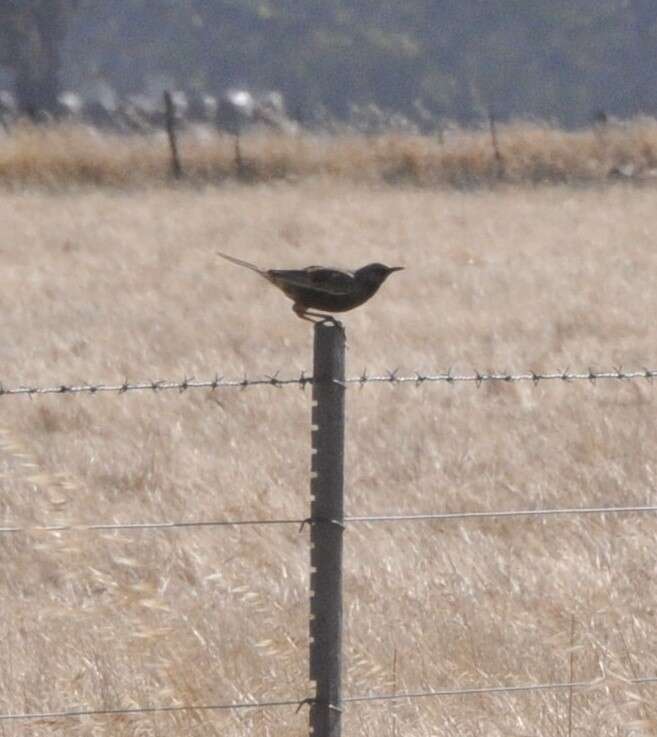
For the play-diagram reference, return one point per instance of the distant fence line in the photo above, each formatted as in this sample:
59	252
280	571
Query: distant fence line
302	380
328	522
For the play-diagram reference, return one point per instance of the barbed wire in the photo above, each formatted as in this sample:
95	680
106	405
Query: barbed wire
348	519
299	703
155	386
478	377
302	380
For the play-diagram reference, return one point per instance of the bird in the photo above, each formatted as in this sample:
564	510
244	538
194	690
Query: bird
323	288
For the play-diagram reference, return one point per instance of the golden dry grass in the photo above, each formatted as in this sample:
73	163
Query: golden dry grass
73	155
102	285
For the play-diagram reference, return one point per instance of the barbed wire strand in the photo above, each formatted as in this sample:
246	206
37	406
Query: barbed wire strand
302	380
478	377
156	386
408	695
438	516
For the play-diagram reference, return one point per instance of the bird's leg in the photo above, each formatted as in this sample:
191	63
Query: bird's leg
302	312
299	311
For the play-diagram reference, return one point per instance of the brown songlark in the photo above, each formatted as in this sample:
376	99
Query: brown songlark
322	288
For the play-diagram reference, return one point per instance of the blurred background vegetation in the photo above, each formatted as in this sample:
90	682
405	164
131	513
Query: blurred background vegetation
559	60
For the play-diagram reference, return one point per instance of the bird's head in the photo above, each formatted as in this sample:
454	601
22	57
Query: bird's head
376	274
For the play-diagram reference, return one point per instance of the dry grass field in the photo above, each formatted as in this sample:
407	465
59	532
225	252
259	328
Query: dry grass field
100	284
531	152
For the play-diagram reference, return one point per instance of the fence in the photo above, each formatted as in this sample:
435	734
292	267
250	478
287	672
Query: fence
327	523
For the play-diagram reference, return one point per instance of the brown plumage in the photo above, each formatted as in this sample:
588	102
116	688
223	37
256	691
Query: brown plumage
322	288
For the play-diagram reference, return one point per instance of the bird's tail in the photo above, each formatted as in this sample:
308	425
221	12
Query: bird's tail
239	262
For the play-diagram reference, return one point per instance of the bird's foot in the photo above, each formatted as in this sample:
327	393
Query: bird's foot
329	320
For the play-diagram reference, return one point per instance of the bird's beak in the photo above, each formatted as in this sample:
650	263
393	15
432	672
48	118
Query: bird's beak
395	268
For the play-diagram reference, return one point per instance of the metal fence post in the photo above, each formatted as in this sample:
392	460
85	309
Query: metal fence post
327	513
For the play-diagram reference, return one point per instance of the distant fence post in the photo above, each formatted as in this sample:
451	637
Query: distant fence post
170	119
327	513
240	169
499	160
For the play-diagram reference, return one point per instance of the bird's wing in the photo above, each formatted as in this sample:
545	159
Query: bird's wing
318	278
